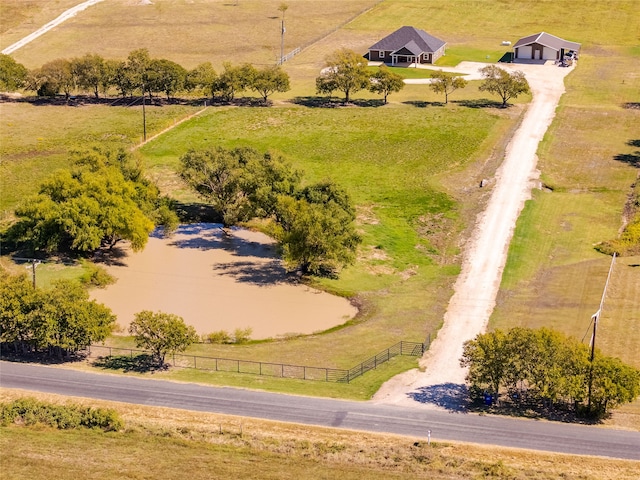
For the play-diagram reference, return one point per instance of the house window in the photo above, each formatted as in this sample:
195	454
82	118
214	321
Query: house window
381	53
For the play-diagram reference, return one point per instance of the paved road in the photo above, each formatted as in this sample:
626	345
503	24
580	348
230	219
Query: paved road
413	422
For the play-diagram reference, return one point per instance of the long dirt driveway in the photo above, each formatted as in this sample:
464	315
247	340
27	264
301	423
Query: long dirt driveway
64	16
442	382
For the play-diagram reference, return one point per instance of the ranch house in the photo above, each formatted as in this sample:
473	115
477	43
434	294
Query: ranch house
543	46
407	45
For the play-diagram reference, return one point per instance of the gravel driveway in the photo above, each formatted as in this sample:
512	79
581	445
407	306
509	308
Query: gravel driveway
441	384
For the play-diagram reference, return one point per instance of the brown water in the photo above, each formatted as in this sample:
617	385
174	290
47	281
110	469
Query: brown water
219	281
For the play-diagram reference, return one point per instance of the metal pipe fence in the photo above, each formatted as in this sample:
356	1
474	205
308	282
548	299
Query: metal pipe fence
280	370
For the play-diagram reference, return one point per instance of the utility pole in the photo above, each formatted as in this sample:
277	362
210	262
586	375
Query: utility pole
594	318
33	272
283	8
144	118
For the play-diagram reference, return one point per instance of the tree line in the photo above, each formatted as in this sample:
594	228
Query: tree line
344	70
543	367
140	73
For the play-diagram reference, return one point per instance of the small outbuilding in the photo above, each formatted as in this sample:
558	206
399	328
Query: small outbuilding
544	46
407	45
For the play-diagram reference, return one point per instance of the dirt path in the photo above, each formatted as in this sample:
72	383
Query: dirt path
442	382
52	24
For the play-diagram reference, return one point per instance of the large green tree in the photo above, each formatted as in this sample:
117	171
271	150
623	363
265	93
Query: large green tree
239	183
12	74
345	71
201	78
162	333
18	301
102	200
386	82
316	229
269	80
233	80
165	76
442	82
58	320
54	77
90	72
502	83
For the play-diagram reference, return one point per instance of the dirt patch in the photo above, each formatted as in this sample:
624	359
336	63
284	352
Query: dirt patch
219	281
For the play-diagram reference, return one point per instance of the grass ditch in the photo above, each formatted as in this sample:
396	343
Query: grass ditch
164	442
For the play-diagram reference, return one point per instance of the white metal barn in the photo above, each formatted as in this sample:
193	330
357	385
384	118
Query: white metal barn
543	46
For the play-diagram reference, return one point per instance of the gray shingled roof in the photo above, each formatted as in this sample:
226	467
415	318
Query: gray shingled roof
415	40
548	40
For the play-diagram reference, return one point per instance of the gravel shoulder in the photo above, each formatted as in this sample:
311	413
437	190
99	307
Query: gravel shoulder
439	382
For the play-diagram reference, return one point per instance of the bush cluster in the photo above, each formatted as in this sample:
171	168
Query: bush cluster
222	337
29	411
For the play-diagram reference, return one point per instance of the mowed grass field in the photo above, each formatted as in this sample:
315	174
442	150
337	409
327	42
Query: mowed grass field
165	443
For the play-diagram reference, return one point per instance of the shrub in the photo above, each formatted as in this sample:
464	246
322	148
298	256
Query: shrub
96	276
220	337
242	335
29	411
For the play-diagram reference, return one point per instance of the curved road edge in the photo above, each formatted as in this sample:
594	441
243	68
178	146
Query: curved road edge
350	415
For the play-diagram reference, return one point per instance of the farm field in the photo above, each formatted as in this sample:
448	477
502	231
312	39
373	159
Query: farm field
553	276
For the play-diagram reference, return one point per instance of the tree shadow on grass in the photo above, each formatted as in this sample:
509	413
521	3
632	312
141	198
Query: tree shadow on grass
453	397
632	159
423	104
480	103
317	102
143	363
368	102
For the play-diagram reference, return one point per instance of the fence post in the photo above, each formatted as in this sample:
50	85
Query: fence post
195	364
174	359
260	368
216	364
110	352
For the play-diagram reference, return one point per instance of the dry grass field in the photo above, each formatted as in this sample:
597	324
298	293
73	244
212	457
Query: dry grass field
188	32
161	442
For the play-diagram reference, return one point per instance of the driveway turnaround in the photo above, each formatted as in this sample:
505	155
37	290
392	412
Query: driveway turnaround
363	416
